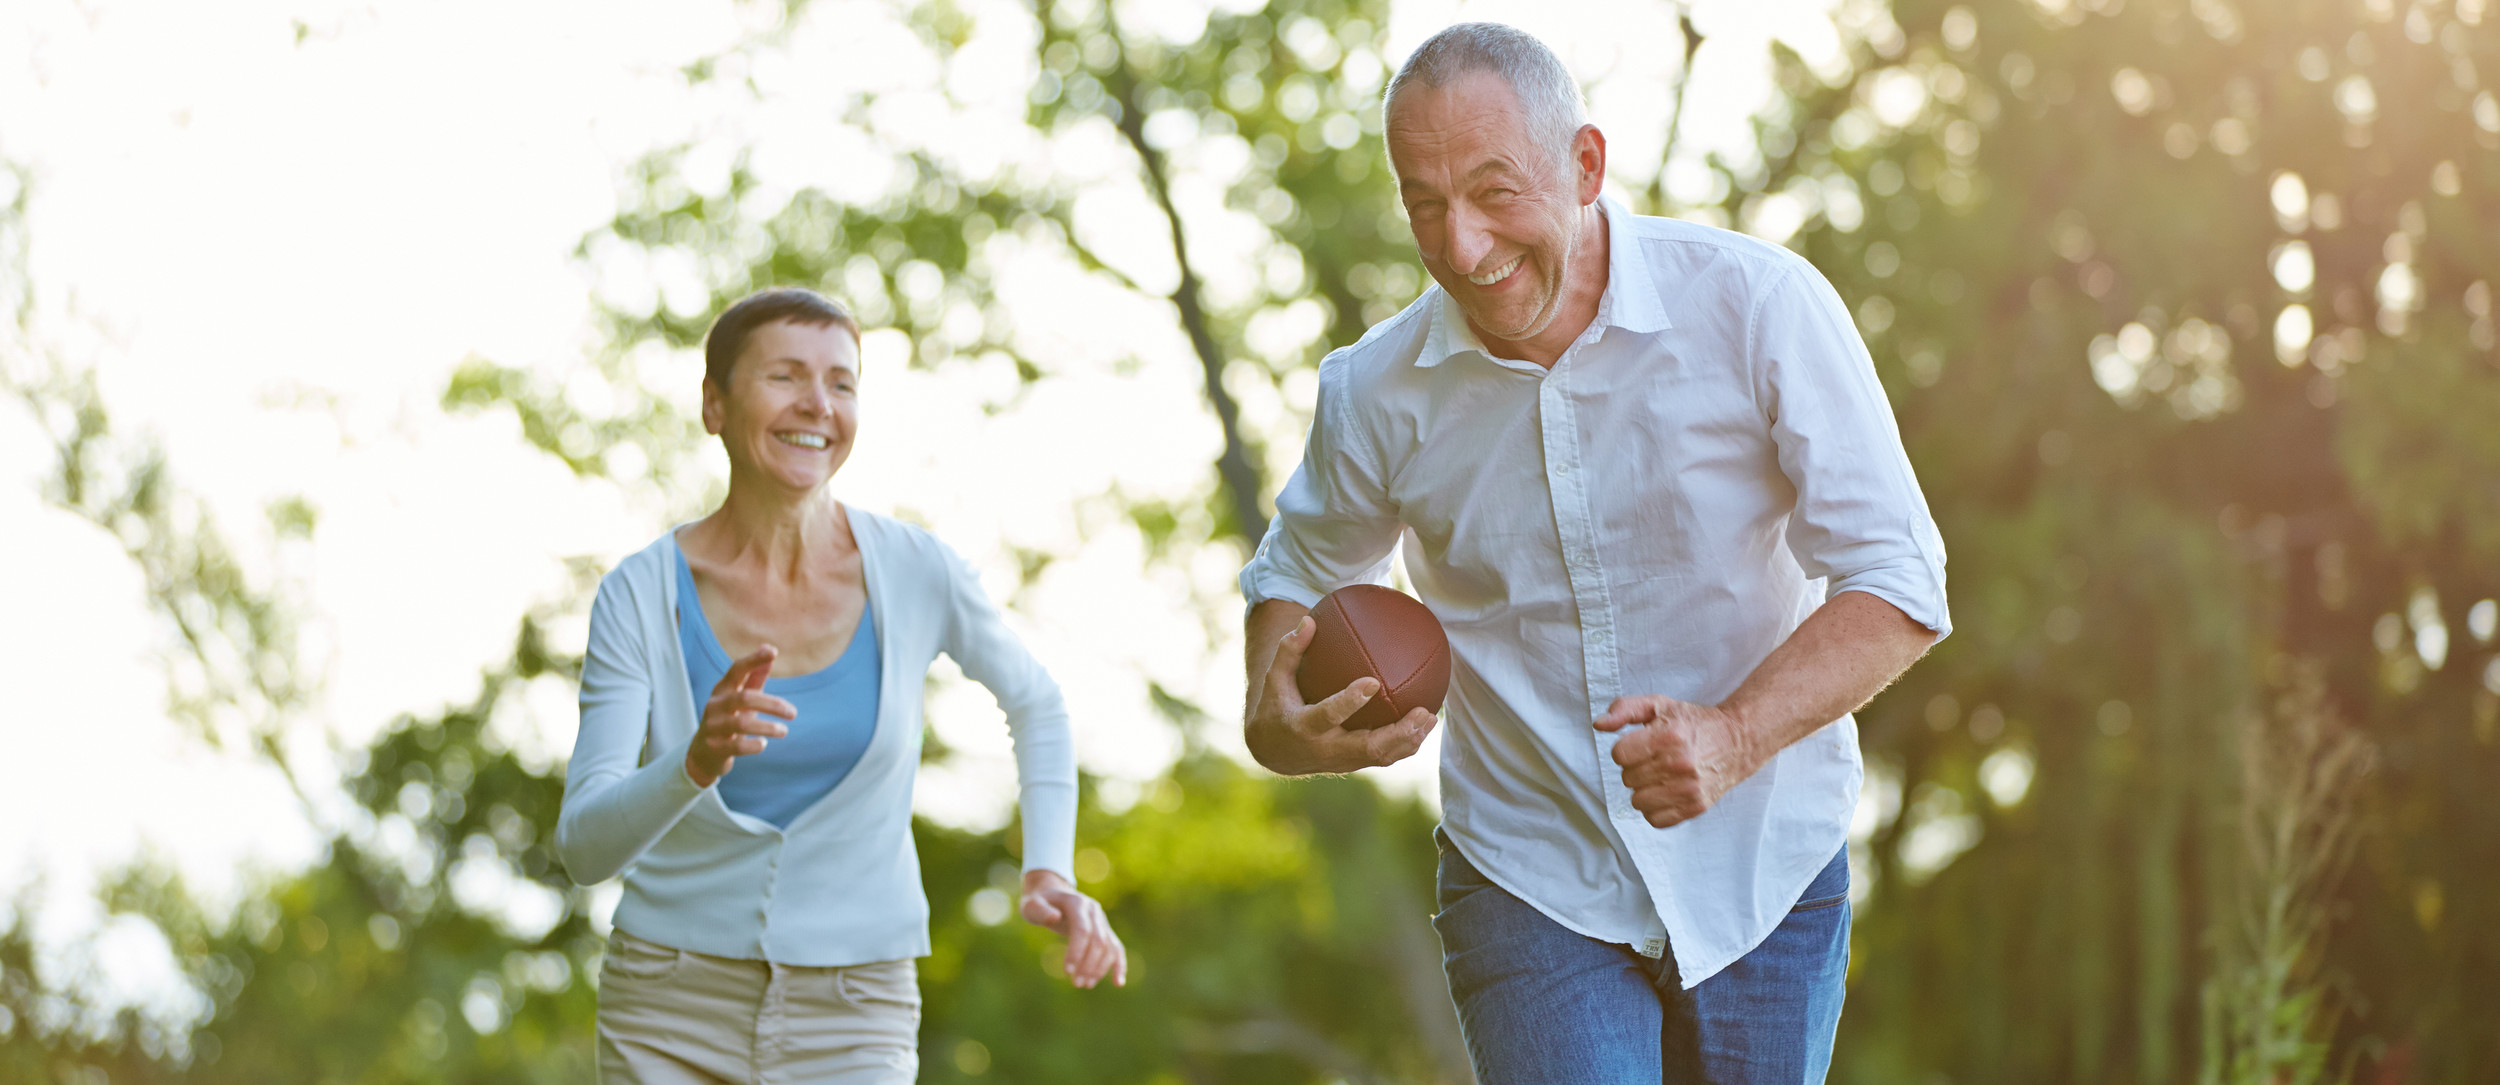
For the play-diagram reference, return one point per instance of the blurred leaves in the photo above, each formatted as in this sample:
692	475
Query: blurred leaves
235	671
2166	499
2189	479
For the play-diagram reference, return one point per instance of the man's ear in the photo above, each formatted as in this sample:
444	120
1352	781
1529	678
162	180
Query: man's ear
1588	160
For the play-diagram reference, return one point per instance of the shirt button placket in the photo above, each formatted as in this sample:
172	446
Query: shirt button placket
1560	427
1587	580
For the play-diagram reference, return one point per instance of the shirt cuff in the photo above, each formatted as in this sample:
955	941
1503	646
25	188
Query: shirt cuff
681	785
1050	837
1259	585
1913	594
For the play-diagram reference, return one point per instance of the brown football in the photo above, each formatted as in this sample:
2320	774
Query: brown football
1366	629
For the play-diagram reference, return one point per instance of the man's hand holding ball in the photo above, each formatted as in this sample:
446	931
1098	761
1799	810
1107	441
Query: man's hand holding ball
1295	738
734	723
1683	757
1356	684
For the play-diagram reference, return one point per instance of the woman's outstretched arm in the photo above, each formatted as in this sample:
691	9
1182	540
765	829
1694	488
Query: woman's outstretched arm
1037	718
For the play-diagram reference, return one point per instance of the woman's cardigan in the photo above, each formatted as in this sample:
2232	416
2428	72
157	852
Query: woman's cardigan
841	886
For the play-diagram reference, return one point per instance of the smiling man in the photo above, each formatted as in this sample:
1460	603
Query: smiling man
1647	480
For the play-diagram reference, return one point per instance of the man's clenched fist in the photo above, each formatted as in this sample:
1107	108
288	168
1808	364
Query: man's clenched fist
1682	758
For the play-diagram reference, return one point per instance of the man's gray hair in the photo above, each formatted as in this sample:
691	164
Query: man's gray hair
1545	88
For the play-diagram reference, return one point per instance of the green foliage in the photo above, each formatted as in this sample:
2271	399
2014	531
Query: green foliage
2056	222
2063	264
2265	1015
1253	918
234	673
587	444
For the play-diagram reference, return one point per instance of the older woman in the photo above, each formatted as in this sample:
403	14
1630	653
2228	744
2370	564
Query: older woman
750	728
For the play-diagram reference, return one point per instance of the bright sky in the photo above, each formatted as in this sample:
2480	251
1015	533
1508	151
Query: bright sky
274	253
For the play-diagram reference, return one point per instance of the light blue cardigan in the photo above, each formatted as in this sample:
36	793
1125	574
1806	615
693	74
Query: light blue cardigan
842	885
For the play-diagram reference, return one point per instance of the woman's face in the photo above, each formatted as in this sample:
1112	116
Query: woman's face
792	405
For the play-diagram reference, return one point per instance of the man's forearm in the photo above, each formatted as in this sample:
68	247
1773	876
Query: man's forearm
1845	653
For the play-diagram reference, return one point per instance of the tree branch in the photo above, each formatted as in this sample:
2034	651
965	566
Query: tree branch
1657	193
1239	476
1088	259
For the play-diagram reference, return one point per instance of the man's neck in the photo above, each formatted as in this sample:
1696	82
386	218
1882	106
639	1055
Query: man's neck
1584	286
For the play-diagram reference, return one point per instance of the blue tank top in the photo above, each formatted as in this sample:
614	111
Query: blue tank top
837	714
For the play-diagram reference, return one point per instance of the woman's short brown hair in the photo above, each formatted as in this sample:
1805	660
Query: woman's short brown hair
798	305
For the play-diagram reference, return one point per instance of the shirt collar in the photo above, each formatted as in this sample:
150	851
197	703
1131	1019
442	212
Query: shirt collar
1630	301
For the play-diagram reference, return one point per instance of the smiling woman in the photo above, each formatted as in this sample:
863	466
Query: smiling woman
802	354
772	903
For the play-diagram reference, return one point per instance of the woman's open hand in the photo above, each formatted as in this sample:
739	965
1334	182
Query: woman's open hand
733	719
1093	951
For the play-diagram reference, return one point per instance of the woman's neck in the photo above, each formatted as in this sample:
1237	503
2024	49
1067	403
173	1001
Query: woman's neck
780	536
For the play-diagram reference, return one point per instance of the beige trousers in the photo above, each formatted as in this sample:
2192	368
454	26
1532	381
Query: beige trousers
672	1017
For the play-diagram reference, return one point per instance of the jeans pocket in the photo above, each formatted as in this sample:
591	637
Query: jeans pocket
1829	887
889	988
1456	879
631	958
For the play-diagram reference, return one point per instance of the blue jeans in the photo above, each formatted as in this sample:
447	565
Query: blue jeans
1542	1005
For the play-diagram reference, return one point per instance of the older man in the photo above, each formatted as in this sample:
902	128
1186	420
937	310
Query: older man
1646	478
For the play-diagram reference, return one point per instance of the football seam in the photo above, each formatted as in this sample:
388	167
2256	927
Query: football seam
1438	650
1387	696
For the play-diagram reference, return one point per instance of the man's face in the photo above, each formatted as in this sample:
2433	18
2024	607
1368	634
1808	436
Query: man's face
1495	213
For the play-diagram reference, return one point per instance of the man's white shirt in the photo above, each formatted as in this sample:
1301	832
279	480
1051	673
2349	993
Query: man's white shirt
1710	461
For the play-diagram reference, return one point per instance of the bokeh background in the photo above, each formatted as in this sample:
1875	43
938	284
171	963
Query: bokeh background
345	343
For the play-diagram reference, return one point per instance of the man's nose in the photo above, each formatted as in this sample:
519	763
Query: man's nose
1470	239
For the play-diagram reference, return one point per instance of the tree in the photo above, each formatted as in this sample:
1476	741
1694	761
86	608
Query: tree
2187	330
2185	312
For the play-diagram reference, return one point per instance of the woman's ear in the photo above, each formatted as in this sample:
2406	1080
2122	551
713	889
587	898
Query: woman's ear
715	407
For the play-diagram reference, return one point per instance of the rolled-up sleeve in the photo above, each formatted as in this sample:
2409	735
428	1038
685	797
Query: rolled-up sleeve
1037	717
1861	522
1334	523
615	804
